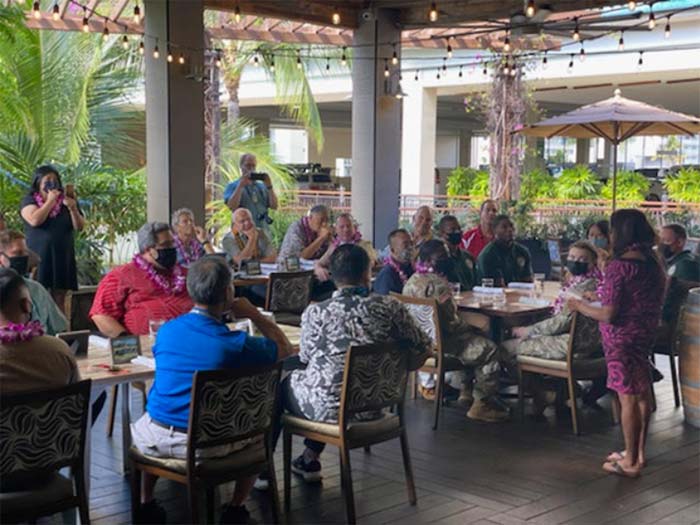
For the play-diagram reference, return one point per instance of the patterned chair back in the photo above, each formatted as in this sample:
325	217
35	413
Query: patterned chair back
374	378
425	314
228	406
289	292
584	335
43	430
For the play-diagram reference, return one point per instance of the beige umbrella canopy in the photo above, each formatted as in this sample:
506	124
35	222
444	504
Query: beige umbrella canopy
615	119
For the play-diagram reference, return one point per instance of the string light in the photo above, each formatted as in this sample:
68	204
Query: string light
56	13
137	14
438	74
485	71
460	72
416	77
181	59
582	54
570	69
86	25
544	60
272	63
299	64
336	17
631	5
513	70
652	17
506	70
125	42
640	62
237	14
394	56
449	48
506	44
36	10
256	60
576	36
530	9
433	14
219	62
667	29
343	58
105	32
142	48
386	68
621	42
444	63
156	52
169	57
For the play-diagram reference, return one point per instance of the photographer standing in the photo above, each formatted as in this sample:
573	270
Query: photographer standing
252	191
51	214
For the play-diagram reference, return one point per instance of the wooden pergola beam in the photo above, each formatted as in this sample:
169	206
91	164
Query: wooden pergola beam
280	36
314	12
118	9
63	8
75	23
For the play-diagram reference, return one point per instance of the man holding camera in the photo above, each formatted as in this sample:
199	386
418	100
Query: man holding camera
252	191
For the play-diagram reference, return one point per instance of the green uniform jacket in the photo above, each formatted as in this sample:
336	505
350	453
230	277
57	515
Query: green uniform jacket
509	263
464	268
684	266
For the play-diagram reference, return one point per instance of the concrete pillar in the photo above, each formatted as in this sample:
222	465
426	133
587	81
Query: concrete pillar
582	149
607	165
418	140
376	128
465	147
175	109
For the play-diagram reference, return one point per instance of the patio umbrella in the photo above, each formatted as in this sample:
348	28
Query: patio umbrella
615	119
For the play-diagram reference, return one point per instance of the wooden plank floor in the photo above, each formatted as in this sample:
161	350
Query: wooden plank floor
467	472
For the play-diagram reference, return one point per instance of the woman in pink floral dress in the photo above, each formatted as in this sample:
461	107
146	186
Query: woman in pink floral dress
631	296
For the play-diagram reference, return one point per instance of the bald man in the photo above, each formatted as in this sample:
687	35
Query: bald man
247	242
422	226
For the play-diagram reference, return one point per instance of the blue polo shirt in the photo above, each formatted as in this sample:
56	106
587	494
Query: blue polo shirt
194	342
255	198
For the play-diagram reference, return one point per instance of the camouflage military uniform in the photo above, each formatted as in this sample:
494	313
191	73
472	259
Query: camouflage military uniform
549	339
459	339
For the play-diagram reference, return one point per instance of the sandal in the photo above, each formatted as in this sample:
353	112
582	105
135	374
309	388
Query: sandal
619	456
613	467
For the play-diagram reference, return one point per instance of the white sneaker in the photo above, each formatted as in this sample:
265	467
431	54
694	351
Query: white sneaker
262	483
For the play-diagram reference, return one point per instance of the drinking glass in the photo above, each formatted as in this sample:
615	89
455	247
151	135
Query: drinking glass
456	290
153	327
539	284
487	283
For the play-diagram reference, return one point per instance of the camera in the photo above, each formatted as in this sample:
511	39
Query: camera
258	176
265	217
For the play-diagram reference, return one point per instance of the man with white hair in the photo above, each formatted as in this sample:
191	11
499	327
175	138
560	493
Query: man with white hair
151	287
257	196
191	241
422	226
245	242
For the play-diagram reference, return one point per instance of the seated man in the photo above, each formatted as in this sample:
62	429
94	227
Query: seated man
328	330
29	360
15	254
463	264
162	430
246	242
151	287
422	222
459	338
398	265
477	238
346	232
681	263
191	241
504	260
549	339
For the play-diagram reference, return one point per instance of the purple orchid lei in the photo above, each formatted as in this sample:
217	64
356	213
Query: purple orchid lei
357	237
172	284
190	253
56	207
389	261
20	332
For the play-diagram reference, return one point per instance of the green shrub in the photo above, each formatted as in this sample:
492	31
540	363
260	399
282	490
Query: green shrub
480	186
631	186
536	184
684	186
577	182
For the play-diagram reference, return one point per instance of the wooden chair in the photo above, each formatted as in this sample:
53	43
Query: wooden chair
583	333
374	379
227	407
667	337
288	294
42	432
77	308
425	313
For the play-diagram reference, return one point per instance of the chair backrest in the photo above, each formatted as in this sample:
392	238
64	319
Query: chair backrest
676	295
374	378
228	406
425	314
77	308
43	430
289	292
584	336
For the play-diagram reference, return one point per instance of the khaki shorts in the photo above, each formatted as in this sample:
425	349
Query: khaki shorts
154	440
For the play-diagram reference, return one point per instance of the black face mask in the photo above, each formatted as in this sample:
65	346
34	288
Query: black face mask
167	257
454	238
50	185
577	267
666	251
20	264
444	266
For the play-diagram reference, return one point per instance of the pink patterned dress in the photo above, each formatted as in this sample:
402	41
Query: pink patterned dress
637	289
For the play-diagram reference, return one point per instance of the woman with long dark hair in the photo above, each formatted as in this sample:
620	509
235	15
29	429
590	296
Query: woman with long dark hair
631	297
51	214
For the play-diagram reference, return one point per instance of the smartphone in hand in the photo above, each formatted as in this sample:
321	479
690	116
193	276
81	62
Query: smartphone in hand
70	191
257	176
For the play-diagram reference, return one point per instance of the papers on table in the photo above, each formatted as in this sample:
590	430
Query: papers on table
521	286
268	268
532	301
142	360
306	264
99	342
488	290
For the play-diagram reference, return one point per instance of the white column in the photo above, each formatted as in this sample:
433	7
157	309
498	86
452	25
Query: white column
376	128
418	140
175	109
582	149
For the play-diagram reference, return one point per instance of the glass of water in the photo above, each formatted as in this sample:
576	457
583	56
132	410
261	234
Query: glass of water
487	283
539	284
153	327
456	290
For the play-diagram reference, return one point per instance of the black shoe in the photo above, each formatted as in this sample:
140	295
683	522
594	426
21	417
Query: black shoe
234	515
656	376
150	513
310	471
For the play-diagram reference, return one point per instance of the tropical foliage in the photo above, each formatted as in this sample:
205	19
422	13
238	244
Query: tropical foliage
631	187
536	184
577	182
684	186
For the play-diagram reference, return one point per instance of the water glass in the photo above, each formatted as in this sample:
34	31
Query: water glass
153	327
499	299
539	284
456	290
487	283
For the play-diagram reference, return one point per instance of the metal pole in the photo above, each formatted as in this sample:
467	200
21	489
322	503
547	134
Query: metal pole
615	143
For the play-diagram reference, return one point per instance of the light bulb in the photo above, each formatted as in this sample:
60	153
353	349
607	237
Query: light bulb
169	58
336	18
506	70
632	5
394	57
299	64
444	64
460	72
181	59
652	20
86	25
544	61
416	77
433	14
438	74
621	42
386	69
36	10
576	36
156	52
137	14
640	62
449	50
570	69
256	61
530	9
219	62
125	42
237	14
582	54
142	49
667	29
56	13
506	44
105	33
328	64
343	58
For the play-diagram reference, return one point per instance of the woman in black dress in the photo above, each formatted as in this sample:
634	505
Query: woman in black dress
50	216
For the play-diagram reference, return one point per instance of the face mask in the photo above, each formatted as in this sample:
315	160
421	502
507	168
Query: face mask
577	267
666	251
405	256
443	266
20	264
454	238
50	185
600	242
167	257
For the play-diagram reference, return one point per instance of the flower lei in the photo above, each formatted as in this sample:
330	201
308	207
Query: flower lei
309	234
174	284
56	207
389	261
16	333
423	268
560	301
357	237
191	253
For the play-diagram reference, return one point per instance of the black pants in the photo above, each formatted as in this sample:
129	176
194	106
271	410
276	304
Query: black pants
290	404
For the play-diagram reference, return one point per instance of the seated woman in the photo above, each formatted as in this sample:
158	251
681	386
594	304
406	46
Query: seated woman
191	241
598	234
346	232
549	339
